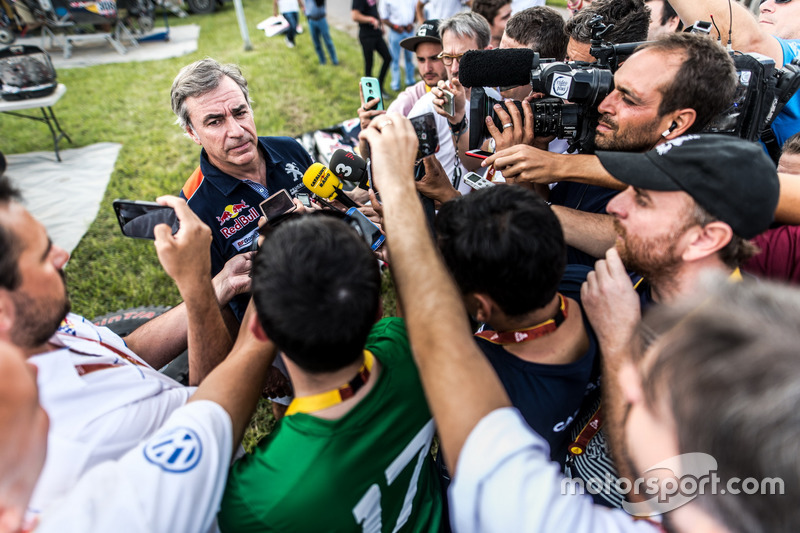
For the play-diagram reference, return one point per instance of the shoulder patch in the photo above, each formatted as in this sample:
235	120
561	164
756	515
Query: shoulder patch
192	184
175	451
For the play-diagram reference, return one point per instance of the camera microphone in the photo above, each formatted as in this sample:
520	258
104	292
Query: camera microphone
348	166
319	180
501	67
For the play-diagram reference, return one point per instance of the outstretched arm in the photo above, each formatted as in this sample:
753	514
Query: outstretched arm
459	383
746	36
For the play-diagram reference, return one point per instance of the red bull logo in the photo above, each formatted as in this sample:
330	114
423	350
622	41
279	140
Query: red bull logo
241	222
232	211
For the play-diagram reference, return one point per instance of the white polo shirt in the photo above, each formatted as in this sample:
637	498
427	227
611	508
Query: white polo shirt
171	483
102	400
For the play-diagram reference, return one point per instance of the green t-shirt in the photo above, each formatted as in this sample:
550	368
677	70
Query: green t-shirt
370	470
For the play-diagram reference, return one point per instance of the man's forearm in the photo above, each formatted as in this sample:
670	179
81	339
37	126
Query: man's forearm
591	233
161	339
207	333
459	383
584	168
746	36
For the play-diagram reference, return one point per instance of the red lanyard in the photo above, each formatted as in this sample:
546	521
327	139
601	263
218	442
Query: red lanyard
528	334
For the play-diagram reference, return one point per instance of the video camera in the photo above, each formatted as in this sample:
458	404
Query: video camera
583	84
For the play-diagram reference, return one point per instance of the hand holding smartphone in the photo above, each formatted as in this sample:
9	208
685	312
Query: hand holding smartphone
277	207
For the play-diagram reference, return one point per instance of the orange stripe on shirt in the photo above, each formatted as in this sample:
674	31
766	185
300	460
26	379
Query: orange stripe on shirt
192	184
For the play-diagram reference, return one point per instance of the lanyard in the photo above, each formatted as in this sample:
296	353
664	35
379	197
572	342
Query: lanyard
323	400
528	334
587	433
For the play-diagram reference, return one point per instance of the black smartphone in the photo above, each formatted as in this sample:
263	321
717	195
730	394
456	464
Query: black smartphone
366	228
137	218
277	207
304	199
427	134
480	154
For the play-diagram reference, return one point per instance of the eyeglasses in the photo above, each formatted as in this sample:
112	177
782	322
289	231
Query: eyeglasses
447	59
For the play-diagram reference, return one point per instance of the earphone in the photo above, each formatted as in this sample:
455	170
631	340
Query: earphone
668	131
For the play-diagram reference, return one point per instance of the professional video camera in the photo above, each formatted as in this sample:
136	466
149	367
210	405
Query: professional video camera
583	84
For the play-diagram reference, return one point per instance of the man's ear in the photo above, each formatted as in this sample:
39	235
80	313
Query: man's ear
680	121
707	240
481	306
256	329
193	134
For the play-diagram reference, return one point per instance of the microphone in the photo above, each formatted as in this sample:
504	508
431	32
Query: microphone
348	166
501	67
319	180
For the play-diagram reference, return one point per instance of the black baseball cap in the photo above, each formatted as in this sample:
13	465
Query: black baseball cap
729	177
428	32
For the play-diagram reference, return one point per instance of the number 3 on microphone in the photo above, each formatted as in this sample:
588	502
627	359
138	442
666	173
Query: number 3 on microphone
343	170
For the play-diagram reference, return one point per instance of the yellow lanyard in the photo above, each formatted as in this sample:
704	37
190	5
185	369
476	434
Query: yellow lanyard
323	400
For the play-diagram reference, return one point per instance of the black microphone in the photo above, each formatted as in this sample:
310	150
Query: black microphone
348	166
501	67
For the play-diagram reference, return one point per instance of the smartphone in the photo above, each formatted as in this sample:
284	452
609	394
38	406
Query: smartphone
137	219
476	181
277	207
366	228
480	154
304	199
427	134
449	106
371	90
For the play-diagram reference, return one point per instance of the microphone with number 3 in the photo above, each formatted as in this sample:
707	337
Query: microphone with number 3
319	180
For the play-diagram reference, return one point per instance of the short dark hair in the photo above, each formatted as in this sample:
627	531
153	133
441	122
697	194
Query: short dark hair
541	29
726	367
505	242
792	145
10	276
706	80
316	287
631	20
488	8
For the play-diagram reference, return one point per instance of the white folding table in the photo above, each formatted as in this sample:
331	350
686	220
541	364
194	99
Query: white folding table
45	104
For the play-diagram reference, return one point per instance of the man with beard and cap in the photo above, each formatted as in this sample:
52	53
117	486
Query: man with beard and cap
690	206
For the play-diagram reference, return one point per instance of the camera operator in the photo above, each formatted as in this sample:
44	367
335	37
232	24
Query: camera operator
673	86
775	35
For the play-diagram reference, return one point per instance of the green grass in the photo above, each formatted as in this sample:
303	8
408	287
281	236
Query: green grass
128	103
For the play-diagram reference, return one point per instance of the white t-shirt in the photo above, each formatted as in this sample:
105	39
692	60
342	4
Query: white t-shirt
442	9
99	415
288	6
171	483
505	481
447	151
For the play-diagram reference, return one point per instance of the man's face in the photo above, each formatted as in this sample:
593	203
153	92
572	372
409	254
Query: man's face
222	123
431	69
454	45
781	20
23	435
652	230
498	24
40	302
521	91
578	51
630	121
656	29
789	164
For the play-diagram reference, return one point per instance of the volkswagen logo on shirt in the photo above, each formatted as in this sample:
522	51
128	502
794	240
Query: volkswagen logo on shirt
177	450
